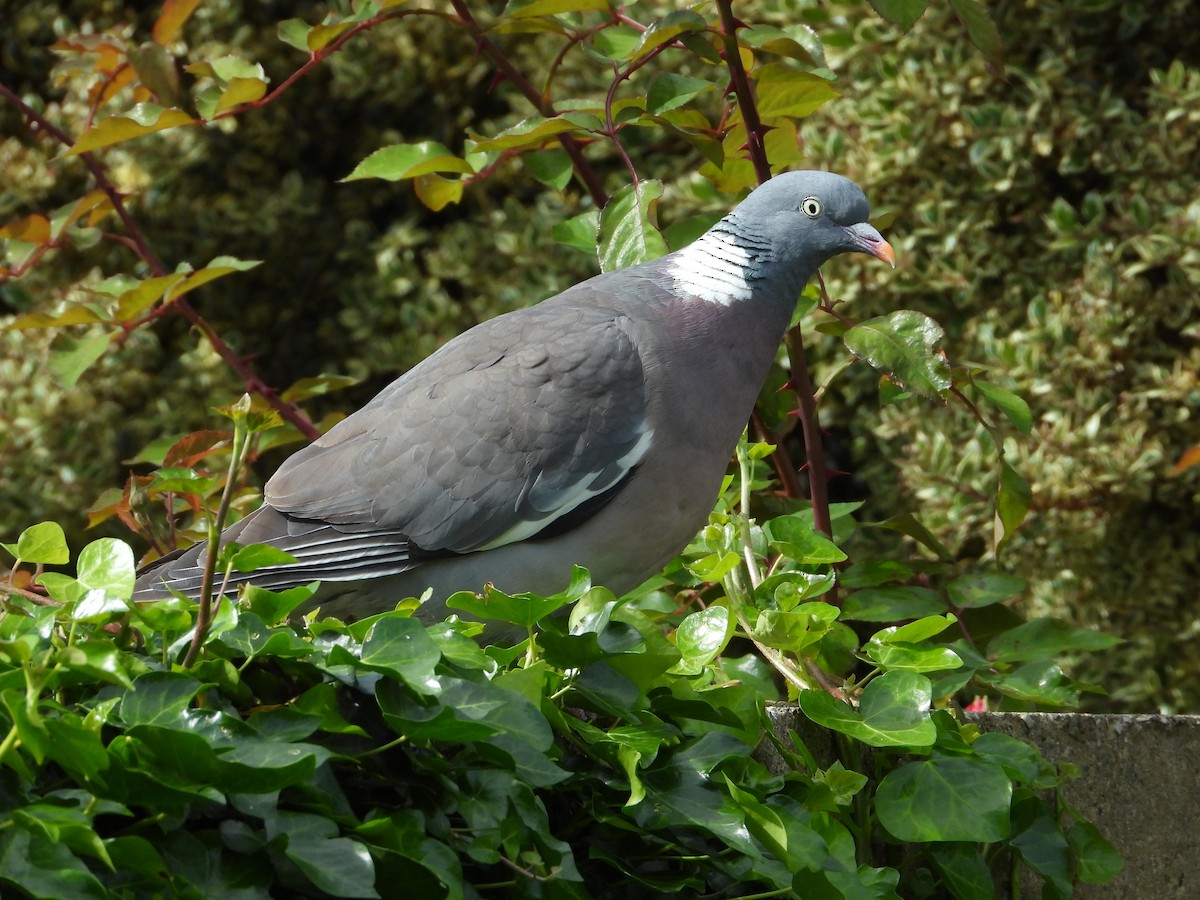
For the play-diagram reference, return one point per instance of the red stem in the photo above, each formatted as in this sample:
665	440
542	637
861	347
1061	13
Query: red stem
288	411
542	103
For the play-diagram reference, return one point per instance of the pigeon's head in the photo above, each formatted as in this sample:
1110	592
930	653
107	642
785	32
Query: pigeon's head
805	218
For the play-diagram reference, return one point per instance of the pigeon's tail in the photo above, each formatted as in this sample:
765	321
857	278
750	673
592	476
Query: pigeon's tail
320	552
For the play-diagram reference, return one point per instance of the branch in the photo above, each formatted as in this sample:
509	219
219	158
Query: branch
739	83
540	102
137	241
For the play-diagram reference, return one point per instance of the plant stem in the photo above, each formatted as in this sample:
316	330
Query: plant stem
540	101
137	241
810	425
215	526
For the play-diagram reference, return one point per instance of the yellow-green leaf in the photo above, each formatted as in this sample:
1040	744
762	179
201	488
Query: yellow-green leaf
535	131
401	161
239	91
437	192
783	91
144	118
554	7
170	21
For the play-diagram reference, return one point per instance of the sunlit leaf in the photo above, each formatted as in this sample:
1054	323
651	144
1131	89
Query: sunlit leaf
946	799
171	19
901	344
401	161
784	91
145	118
628	233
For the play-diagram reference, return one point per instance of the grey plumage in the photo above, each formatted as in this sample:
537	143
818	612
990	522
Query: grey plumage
593	428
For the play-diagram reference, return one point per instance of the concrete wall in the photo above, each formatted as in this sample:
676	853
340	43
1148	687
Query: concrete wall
1140	786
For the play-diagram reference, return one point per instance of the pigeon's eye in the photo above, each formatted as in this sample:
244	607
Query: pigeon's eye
811	207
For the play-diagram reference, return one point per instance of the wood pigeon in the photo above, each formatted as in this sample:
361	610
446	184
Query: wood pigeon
593	428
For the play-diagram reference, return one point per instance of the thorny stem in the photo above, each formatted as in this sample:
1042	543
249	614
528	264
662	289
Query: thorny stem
137	241
810	426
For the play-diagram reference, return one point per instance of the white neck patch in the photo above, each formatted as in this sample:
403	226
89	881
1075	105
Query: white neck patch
713	269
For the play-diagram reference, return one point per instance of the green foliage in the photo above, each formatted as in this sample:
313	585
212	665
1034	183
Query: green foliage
596	758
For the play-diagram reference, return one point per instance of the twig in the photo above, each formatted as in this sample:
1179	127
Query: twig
137	241
542	103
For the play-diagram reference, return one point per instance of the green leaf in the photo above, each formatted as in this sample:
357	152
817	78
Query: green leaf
1096	860
536	131
400	647
1046	639
1041	844
579	231
920	630
901	12
338	866
294	33
669	91
901	344
552	167
981	28
44	543
668	28
617	43
275	606
892	603
704	634
518	609
44	868
158	698
893	712
794	537
797	41
70	357
795	629
258	556
946	799
144	118
554	7
1036	682
628	235
785	91
714	566
975	591
1013	498
964	871
107	566
1016	409
401	161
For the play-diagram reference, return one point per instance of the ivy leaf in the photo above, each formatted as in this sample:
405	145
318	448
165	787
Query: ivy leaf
1096	860
44	543
975	591
964	870
1047	639
892	603
628	234
901	12
945	799
900	345
702	635
145	118
400	647
893	712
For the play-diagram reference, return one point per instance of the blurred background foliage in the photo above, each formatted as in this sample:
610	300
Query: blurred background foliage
1047	215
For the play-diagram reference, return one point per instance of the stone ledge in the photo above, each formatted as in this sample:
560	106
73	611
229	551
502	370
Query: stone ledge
1140	786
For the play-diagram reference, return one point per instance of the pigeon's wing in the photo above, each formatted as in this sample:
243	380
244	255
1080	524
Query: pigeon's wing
519	427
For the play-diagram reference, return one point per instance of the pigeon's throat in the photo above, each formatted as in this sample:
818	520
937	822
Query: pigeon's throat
722	266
